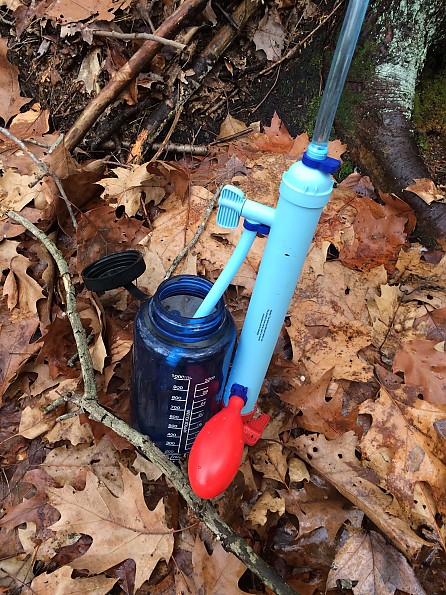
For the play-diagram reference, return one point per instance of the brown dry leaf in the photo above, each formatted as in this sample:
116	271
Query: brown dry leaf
426	190
367	565
142	465
68	465
65	11
267	502
34	422
336	148
319	414
322	340
401	453
15	192
379	235
101	232
16	572
329	321
270	35
382	309
216	574
119	342
231	126
121	527
336	461
90	70
314	509
34	509
297	470
16	331
10	100
425	366
130	183
271	461
60	582
71	429
275	139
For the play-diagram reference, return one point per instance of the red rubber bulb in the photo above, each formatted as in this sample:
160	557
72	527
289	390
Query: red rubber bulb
217	451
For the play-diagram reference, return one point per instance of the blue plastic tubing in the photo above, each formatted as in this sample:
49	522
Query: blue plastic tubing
336	79
232	266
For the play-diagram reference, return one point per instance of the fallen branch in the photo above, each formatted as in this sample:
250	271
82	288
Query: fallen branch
88	403
44	169
130	36
122	78
160	117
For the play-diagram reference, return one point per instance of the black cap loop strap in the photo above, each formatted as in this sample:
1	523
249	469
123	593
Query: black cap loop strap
116	270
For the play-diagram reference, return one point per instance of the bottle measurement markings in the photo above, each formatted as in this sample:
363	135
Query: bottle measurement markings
186	414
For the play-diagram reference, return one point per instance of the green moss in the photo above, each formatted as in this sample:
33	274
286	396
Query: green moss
311	115
345	170
362	63
348	108
429	113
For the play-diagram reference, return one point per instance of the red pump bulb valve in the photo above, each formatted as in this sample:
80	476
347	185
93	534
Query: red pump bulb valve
217	451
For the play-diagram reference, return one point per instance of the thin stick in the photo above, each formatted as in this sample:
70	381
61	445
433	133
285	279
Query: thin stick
197	235
202	509
199	150
46	171
149	36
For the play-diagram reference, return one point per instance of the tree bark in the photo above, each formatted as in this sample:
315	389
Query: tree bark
376	108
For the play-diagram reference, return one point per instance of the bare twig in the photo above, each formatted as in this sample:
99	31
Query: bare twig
197	235
199	150
88	402
149	36
46	171
225	139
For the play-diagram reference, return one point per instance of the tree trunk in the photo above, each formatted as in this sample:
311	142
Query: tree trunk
375	112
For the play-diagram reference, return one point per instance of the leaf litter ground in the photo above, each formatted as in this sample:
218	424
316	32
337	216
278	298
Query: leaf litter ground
346	488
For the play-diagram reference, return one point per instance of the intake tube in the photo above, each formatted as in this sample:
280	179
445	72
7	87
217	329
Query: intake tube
342	58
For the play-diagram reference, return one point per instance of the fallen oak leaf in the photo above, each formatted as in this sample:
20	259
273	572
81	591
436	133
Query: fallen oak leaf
423	365
60	582
318	414
35	509
121	528
10	100
367	565
336	461
266	503
218	573
271	461
270	36
426	190
401	452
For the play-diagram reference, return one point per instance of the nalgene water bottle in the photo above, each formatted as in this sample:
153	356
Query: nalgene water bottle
180	363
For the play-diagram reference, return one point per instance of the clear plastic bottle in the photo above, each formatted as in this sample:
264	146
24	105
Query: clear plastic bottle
180	363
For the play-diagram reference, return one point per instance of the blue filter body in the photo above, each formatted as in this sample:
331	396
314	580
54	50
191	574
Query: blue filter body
304	192
180	363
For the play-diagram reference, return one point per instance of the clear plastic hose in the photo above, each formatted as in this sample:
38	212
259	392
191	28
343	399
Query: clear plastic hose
338	72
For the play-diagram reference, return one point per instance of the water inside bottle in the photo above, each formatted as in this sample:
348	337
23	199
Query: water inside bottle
184	305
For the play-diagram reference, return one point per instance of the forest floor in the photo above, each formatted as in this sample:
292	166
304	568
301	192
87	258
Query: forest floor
345	492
